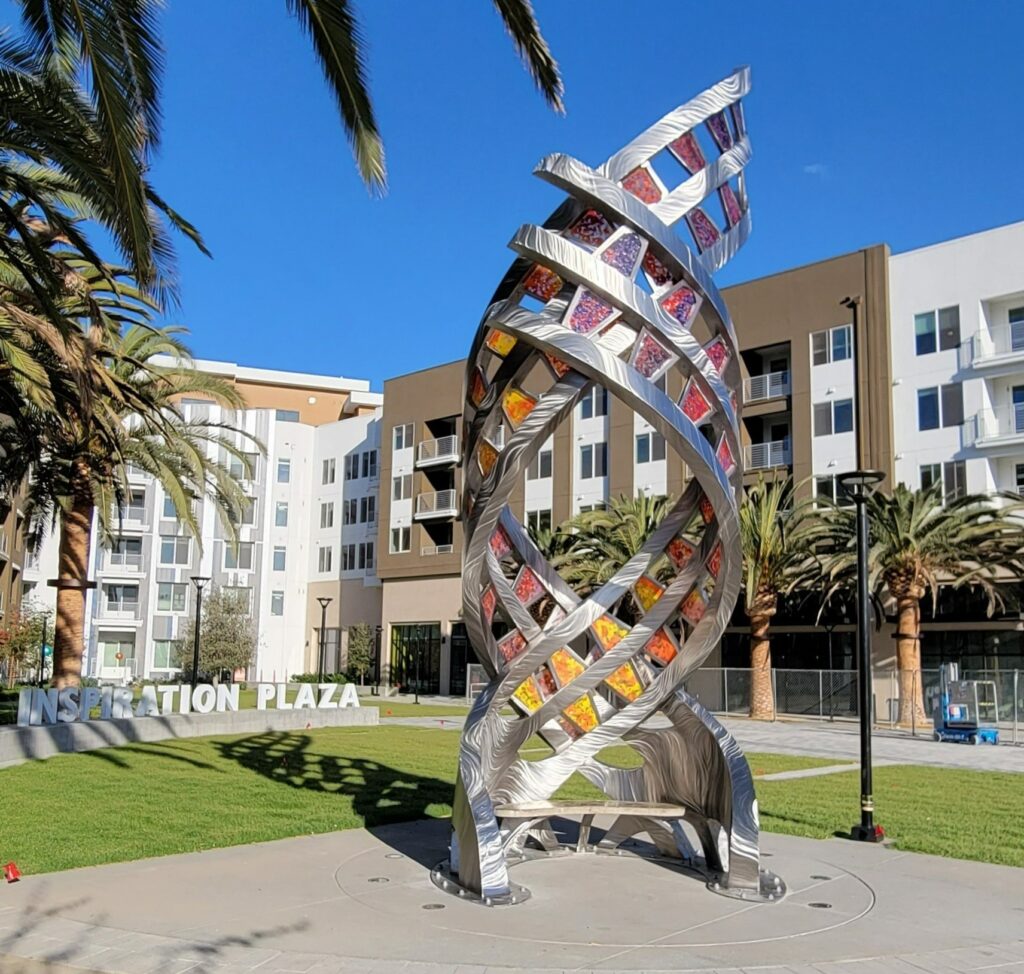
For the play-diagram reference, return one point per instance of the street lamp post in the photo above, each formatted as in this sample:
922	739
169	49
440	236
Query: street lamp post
324	602
199	581
860	483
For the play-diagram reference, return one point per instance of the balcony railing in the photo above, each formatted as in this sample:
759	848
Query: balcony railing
436	549
124	560
445	449
120	610
440	503
1004	341
764	456
768	386
1000	423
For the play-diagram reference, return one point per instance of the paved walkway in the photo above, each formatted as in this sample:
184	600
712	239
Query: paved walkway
360	902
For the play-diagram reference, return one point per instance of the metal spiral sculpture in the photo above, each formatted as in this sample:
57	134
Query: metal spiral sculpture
606	293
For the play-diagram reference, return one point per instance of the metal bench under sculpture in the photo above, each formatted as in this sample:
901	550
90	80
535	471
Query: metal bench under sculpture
607	294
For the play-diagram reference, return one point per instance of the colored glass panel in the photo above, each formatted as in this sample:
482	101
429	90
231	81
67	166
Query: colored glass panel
488	602
661	647
725	456
647	592
566	666
610	632
511	645
625	682
642	184
528	696
707	510
570	728
624	253
557	365
500	543
687	150
694	403
715	560
542	283
719	129
681	303
592	228
589	312
582	714
486	457
704	230
650	357
546	682
693	607
499	342
679	552
477	387
718	352
658	273
517	405
528	587
731	205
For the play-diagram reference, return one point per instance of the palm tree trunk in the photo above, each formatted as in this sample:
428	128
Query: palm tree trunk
908	661
762	702
72	581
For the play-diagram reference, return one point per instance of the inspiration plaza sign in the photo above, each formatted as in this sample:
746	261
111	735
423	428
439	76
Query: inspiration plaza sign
38	706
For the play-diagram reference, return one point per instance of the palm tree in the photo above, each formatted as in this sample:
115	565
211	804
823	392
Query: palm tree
776	536
80	455
919	542
117	44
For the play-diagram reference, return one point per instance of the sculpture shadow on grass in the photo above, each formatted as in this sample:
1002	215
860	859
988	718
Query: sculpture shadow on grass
381	795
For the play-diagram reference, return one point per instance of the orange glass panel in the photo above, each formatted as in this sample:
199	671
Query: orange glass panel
715	560
626	683
647	592
477	387
517	405
661	647
542	283
679	551
609	632
693	607
582	714
498	341
566	666
486	457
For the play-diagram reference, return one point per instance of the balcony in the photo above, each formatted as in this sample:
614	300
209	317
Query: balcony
1000	426
439	504
120	611
120	561
428	551
771	385
765	456
1003	345
437	453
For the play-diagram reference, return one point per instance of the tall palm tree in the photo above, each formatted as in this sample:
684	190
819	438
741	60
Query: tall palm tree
116	43
920	542
79	463
776	534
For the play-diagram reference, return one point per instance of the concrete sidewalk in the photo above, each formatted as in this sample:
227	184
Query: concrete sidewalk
360	902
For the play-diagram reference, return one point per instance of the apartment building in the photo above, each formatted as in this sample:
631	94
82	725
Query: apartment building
312	444
13	557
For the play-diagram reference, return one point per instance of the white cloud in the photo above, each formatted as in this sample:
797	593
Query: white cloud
818	169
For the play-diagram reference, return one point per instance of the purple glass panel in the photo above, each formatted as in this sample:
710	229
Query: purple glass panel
719	129
589	312
624	253
687	150
704	231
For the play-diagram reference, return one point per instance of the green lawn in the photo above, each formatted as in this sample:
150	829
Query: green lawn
178	796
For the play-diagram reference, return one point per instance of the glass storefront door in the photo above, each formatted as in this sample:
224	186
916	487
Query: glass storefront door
416	657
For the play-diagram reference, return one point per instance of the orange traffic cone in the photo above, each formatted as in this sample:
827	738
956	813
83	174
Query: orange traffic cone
11	873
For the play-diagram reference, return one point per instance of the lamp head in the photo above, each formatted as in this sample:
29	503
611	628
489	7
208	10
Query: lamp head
860	480
200	580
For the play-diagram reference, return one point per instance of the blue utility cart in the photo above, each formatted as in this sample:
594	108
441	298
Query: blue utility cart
966	711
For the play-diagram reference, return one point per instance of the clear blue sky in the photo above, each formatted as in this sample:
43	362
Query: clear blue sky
870	121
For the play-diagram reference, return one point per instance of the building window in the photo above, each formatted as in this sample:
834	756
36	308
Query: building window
175	550
348	511
369	463
280	558
401	540
348	557
401	487
327	515
928	338
286	415
324	558
596	506
924	333
128	551
164	653
284	471
594	403
327	475
954	479
1019	474
593	461
242	594
169	509
540	466
240	560
244	466
650	446
931	475
352	466
171	597
248	512
122	598
366	555
832	345
402	437
135	510
281	514
940	406
833	417
830	488
538	521
277	603
367	510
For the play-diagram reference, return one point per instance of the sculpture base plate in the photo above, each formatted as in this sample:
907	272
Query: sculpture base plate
444	879
771	888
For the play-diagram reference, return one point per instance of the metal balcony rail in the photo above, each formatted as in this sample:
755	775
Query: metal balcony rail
998	341
767	386
121	610
123	559
436	549
1002	421
438	502
764	456
444	448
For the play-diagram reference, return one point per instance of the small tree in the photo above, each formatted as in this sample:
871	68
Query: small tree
227	637
360	650
21	640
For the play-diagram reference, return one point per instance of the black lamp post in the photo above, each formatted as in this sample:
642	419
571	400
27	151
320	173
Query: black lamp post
324	602
199	581
861	484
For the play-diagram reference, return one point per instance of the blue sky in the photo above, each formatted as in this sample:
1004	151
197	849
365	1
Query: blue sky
870	121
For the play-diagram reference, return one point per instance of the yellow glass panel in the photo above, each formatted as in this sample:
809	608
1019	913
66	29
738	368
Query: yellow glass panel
486	457
498	341
517	405
647	592
527	695
582	714
609	632
626	683
566	666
